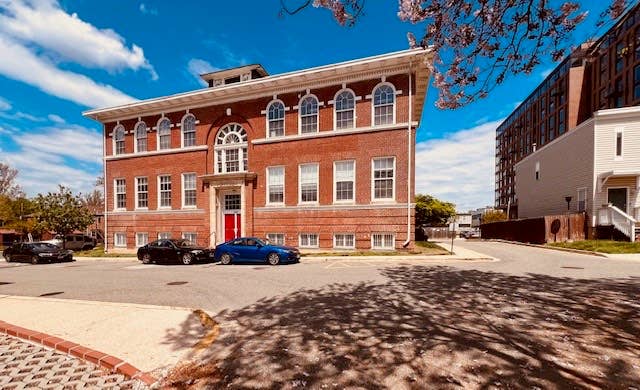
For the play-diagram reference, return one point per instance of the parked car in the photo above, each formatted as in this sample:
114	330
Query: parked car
173	251
252	249
74	242
36	252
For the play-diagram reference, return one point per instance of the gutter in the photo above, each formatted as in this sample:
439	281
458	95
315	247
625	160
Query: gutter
408	241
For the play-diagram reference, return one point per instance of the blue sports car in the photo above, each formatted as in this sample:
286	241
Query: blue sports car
252	249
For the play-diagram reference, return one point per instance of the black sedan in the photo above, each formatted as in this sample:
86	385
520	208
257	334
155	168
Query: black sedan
173	251
36	252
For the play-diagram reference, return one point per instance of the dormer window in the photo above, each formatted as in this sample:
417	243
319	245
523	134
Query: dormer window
275	119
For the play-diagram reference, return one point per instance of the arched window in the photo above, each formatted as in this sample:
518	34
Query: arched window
345	109
309	114
384	99
141	137
164	134
189	130
231	149
275	119
118	140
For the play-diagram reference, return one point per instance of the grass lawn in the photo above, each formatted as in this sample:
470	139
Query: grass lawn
422	248
99	252
604	246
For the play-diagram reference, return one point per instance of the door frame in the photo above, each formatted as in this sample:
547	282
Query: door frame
627	189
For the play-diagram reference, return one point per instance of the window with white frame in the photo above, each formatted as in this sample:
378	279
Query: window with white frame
164	236
141	137
120	240
275	119
142	239
618	143
275	185
142	192
383	177
582	199
308	183
189	190
345	110
275	238
344	176
384	97
231	149
382	241
191	237
308	240
309	114
344	240
120	194
164	189
188	130
164	134
537	170
118	140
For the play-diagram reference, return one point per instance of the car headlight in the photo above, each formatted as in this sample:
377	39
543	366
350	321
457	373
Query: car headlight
197	252
45	254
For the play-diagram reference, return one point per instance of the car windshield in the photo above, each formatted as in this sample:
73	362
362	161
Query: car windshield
183	243
259	241
43	246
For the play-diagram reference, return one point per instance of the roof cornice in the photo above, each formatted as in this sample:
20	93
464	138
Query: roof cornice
322	76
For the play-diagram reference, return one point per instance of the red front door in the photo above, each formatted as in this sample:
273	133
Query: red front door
231	226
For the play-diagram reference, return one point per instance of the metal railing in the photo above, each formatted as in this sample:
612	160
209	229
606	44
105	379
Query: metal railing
611	215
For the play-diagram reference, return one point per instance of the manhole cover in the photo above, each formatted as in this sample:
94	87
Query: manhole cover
3	283
573	267
176	283
51	293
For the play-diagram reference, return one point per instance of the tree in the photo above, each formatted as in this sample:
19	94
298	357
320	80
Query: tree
62	212
8	186
432	211
477	43
494	216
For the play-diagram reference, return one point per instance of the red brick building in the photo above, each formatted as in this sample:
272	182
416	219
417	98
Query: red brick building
318	158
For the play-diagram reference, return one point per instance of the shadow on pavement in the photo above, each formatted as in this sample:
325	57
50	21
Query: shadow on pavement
434	327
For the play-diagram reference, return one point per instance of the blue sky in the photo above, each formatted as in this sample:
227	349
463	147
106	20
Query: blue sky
61	58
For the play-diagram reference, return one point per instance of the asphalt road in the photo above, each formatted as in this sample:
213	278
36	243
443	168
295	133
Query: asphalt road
536	318
215	288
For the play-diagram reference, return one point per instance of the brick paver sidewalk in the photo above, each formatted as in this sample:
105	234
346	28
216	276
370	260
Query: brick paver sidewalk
24	365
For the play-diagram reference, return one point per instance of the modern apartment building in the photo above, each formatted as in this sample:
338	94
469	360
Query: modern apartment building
599	75
318	158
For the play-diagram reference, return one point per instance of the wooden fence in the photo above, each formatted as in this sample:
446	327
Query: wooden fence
550	228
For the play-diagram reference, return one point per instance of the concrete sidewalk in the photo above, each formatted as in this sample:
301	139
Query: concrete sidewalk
151	338
622	256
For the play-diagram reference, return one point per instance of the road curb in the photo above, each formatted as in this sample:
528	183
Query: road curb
98	358
578	251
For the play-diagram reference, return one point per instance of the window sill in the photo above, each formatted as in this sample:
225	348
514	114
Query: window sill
302	204
141	209
274	205
164	208
344	202
379	201
120	209
189	207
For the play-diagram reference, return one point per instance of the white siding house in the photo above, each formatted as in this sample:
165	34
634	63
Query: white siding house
594	168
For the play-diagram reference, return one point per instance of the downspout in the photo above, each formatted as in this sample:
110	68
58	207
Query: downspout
104	184
409	149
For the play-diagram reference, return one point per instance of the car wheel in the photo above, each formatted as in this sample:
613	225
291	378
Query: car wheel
7	258
225	259
187	258
273	258
146	258
34	259
87	248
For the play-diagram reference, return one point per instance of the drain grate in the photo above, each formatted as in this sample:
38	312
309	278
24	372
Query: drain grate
51	293
176	283
567	267
3	283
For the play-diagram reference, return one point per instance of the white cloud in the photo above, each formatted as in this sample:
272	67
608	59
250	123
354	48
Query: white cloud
55	118
21	64
459	168
45	24
197	67
545	73
66	154
4	104
148	11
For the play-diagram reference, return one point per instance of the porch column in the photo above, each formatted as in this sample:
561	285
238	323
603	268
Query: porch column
213	220
243	207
